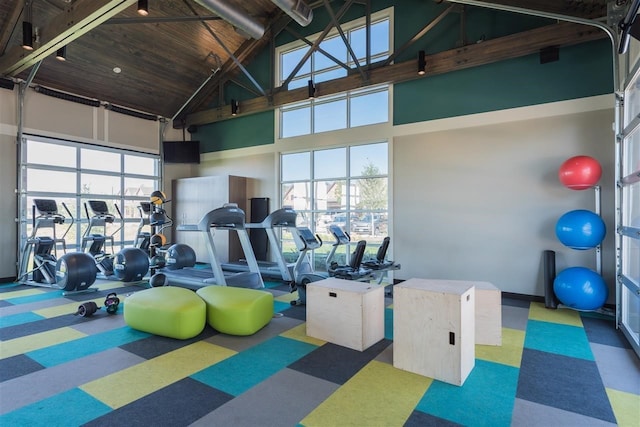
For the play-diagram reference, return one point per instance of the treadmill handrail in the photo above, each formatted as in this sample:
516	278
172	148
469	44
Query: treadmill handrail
284	217
227	217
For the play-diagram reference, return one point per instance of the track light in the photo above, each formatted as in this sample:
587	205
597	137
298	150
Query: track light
143	7
61	54
27	35
234	107
422	63
312	89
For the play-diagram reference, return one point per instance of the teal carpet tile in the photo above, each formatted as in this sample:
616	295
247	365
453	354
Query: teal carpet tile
68	351
71	408
558	338
19	319
486	397
244	370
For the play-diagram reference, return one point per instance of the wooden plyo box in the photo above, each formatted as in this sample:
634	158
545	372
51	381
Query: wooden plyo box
434	328
488	314
345	312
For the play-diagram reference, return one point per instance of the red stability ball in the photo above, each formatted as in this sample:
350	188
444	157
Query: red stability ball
580	172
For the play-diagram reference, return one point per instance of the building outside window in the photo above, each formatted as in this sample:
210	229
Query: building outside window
73	173
343	186
336	111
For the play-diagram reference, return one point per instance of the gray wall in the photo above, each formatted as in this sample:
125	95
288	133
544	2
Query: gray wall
474	197
481	203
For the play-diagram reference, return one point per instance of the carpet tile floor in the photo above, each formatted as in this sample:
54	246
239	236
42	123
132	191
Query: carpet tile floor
554	368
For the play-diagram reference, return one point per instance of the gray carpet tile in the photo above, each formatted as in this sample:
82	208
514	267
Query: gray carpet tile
34	306
531	414
43	325
39	385
121	292
386	355
281	400
545	376
615	365
515	317
102	322
277	326
515	302
175	405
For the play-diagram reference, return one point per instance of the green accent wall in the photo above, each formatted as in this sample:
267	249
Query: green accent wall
583	70
240	132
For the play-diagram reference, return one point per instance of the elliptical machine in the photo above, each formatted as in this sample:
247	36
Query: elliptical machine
73	272
93	243
143	238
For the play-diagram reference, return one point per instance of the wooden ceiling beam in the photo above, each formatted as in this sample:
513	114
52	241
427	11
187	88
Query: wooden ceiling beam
500	49
12	21
587	9
76	20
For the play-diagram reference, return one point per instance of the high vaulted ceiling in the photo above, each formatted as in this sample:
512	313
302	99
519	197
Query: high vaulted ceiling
174	62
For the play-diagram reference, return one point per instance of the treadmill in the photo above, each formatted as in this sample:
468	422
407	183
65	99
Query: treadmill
280	269
227	218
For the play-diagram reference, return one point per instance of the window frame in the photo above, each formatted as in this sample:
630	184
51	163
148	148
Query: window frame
312	214
348	28
80	220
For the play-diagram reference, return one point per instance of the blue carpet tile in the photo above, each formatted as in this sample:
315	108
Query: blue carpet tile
178	404
562	382
545	374
154	345
337	364
17	366
420	419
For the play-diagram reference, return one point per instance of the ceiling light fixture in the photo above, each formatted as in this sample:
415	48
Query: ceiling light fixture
27	35
27	27
235	108
422	63
311	89
143	7
61	54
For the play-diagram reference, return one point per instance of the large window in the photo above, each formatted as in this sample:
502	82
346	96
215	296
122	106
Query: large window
72	174
331	61
345	186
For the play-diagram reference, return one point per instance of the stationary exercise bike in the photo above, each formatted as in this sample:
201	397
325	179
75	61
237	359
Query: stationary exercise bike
304	272
94	242
73	272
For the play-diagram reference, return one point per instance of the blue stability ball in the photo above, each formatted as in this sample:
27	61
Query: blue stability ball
580	229
580	288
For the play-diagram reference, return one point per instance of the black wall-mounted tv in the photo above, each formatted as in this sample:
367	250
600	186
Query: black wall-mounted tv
181	152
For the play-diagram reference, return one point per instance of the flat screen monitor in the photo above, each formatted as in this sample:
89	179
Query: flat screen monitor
181	151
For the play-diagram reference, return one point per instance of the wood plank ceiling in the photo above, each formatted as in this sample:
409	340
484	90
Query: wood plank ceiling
174	62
